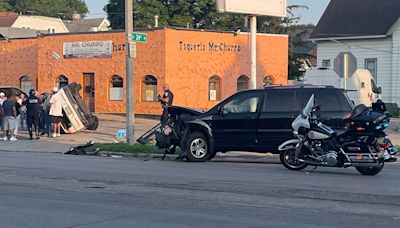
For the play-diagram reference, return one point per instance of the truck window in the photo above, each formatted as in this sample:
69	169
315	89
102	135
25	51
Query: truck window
329	99
243	103
279	101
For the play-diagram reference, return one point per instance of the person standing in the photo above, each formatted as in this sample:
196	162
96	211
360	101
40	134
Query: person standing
166	101
17	120
2	99
9	118
46	115
56	112
22	110
33	106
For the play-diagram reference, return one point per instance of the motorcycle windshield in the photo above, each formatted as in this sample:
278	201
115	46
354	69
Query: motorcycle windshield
307	109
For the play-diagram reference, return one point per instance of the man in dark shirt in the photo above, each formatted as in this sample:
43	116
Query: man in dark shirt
33	108
166	101
9	112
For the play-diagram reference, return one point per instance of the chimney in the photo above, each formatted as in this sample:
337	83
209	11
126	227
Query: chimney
76	17
155	21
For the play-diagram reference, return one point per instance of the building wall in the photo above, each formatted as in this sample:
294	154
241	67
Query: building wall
40	23
18	58
380	49
193	57
396	65
186	72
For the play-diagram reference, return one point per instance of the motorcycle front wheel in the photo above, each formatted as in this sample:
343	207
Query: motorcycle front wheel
370	171
288	160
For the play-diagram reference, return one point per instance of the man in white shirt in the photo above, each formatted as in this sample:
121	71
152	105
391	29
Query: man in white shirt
56	112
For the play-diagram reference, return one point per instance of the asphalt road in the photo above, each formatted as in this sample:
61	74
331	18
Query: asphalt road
50	190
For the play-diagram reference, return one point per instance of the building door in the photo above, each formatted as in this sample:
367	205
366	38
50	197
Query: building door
88	91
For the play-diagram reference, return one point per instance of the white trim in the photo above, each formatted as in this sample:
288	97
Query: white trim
394	27
349	38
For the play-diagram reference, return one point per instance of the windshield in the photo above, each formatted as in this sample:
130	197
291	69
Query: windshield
374	87
309	106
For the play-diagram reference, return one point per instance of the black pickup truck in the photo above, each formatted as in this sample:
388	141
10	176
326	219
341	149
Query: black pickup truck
253	120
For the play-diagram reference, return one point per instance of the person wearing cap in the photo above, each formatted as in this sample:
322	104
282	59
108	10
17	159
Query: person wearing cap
33	107
56	112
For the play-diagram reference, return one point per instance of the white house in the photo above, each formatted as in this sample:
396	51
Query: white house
370	30
88	25
39	23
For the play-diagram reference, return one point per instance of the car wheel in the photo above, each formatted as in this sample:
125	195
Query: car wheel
94	123
197	147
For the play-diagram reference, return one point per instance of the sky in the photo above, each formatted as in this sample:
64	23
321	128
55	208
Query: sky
310	16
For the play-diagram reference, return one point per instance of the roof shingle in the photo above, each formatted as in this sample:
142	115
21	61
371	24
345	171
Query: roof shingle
350	18
7	19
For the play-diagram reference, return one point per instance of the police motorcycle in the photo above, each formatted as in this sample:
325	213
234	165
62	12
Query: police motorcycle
318	145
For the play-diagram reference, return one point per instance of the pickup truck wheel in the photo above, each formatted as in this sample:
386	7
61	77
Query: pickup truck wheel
197	147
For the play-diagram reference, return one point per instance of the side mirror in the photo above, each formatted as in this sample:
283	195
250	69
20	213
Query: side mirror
379	91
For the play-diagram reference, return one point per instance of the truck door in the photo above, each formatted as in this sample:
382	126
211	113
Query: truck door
276	117
235	126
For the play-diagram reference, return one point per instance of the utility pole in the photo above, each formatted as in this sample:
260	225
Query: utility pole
130	107
253	52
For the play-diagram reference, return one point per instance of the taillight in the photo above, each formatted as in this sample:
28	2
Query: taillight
384	145
348	115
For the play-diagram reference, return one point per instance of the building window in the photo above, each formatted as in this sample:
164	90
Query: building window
25	83
268	81
62	81
214	88
372	66
326	63
242	83
116	88
149	88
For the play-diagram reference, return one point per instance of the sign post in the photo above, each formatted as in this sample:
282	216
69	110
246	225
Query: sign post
274	8
130	107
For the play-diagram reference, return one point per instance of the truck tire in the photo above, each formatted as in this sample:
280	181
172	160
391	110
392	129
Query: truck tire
197	147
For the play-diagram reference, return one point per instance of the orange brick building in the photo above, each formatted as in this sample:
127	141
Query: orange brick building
201	67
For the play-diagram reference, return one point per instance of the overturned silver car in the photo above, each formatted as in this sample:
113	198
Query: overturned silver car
76	115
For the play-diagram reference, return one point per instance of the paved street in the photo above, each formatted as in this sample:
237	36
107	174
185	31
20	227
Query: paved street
53	190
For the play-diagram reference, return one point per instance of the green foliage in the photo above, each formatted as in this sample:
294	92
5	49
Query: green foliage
201	14
4	6
52	8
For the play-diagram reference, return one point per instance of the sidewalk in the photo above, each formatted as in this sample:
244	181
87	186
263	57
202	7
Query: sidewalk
108	127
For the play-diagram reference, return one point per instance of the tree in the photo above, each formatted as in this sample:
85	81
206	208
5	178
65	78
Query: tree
200	14
53	8
4	6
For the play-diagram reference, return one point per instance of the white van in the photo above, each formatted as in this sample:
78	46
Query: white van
361	87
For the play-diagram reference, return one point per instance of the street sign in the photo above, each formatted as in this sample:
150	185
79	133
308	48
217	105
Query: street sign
274	8
345	64
139	37
132	49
